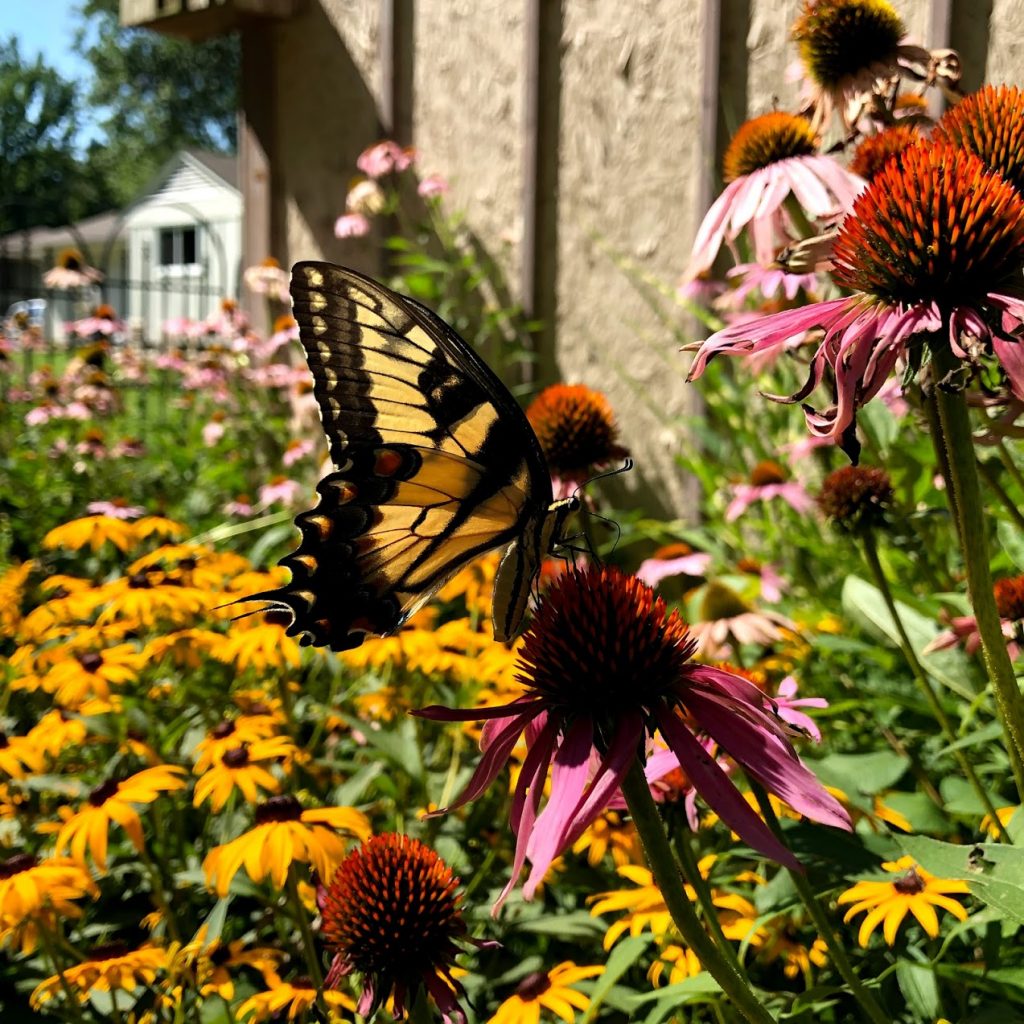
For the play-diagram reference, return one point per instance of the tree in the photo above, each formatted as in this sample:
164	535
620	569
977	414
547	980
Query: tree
41	181
155	95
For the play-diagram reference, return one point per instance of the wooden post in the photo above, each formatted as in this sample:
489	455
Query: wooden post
397	61
541	139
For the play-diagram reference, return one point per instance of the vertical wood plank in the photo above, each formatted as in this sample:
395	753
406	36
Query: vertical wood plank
256	143
397	56
541	139
970	31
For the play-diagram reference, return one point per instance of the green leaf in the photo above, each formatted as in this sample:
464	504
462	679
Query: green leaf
686	991
1012	541
864	774
623	956
919	988
994	873
952	668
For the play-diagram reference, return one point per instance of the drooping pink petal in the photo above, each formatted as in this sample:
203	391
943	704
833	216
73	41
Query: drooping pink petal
719	793
653	570
1011	358
439	713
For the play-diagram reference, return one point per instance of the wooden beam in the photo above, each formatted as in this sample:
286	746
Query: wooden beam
397	63
541	145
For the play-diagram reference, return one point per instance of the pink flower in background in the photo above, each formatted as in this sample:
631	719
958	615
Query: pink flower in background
213	432
799	450
433	186
769	281
701	290
71	271
383	158
1009	596
42	414
787	707
772	584
771	158
268	278
727	620
114	509
280	489
129	448
590	700
768	481
241	506
365	197
351	225
891	395
673	560
297	450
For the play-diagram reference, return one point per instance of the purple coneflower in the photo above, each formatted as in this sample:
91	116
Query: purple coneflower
433	186
384	157
788	705
768	481
351	225
677	559
605	665
933	247
771	158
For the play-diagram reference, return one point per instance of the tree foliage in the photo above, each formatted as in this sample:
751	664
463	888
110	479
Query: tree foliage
154	95
41	182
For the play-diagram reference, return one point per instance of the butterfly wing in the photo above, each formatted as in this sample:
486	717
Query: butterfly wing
435	463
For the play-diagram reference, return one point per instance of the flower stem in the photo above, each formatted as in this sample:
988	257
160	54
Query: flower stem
665	869
156	884
302	920
959	445
868	1003
74	1006
923	681
1000	492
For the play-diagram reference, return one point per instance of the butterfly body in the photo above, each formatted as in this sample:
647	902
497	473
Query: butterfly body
435	464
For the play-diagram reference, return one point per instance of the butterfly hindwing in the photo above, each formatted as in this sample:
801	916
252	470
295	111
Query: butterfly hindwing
435	462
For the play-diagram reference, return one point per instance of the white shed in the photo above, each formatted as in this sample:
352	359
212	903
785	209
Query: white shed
174	252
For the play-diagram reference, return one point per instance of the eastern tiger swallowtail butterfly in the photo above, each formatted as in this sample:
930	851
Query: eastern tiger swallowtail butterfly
434	464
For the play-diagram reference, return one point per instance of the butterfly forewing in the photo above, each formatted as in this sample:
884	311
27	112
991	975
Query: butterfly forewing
434	461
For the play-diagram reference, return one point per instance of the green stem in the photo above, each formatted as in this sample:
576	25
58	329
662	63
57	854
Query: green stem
1011	467
74	1006
302	920
924	682
419	1012
959	445
156	884
868	1003
691	872
665	869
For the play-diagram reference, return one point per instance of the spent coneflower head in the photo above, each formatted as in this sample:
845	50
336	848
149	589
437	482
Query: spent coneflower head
927	249
576	429
990	124
856	498
392	914
770	159
840	40
604	665
875	151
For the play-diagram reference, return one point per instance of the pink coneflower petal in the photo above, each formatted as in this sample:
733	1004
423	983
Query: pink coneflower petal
720	794
653	570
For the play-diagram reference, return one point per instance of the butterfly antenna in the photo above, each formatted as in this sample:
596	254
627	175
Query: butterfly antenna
626	466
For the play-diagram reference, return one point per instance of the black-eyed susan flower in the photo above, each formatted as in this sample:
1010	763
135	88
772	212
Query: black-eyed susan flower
230	733
36	893
57	731
674	964
259	645
112	801
913	891
787	943
603	665
158	526
91	672
290	1000
19	756
94	531
576	429
139	600
108	968
547	990
610	833
933	248
392	914
12	590
283	834
240	768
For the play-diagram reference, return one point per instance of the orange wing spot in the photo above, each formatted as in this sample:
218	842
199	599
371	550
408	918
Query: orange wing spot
387	462
308	562
323	525
346	492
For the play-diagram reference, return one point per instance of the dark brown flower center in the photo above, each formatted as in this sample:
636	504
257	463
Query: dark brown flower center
874	152
721	602
533	986
278	808
4	741
856	498
90	661
16	864
109	951
767	140
222	730
237	757
767	472
839	38
909	884
934	226
140	581
103	792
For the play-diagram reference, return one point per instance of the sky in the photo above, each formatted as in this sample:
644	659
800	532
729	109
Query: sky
46	27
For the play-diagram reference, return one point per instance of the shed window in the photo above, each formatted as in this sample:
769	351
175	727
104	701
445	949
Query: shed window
178	246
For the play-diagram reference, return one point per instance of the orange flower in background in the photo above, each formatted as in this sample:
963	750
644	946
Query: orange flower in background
94	531
290	1000
109	968
283	834
229	734
547	990
19	756
12	591
111	801
91	673
239	768
260	645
